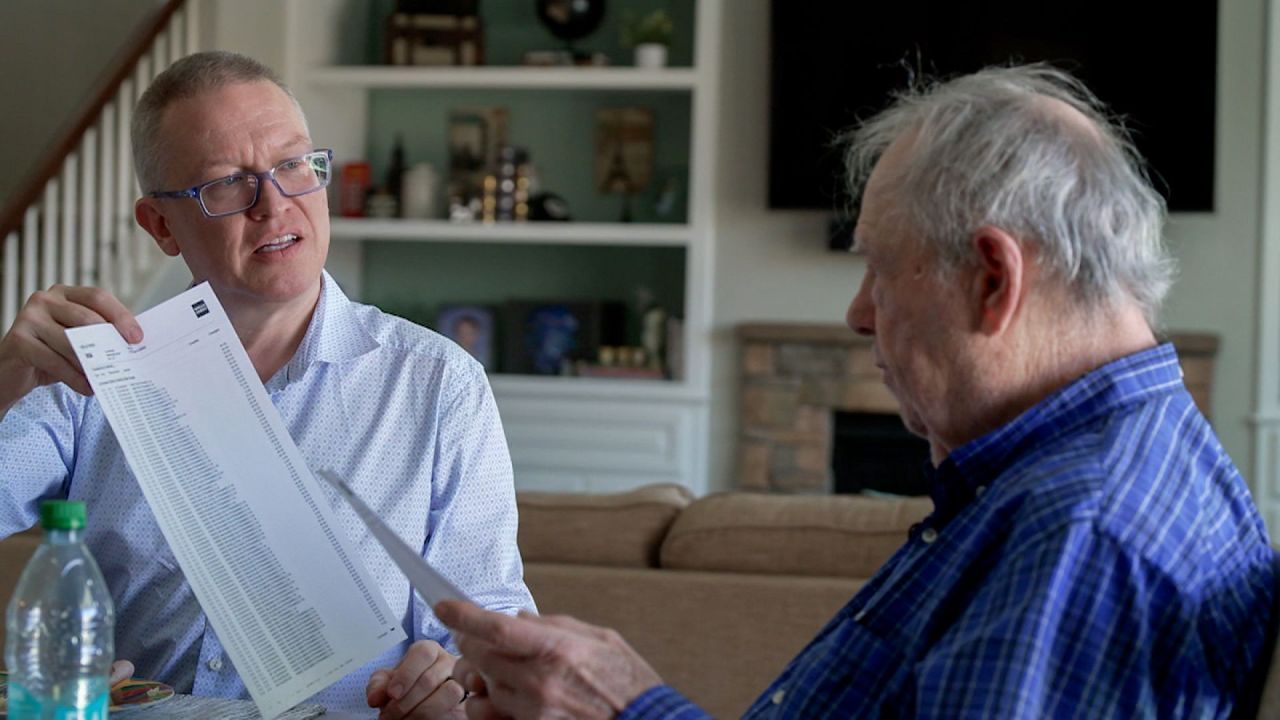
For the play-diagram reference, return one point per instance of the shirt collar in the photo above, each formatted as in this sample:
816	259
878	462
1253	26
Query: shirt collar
334	335
1133	379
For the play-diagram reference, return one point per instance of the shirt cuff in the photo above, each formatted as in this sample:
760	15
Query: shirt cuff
662	701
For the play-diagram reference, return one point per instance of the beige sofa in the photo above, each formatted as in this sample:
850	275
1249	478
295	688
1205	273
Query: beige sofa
717	593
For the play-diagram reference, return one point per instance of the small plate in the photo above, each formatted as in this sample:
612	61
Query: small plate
127	696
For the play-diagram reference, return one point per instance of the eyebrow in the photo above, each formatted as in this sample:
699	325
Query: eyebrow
287	152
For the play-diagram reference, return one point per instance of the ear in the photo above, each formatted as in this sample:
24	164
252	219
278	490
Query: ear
1000	280
152	219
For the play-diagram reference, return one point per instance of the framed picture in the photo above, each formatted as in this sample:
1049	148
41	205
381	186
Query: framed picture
471	327
624	149
546	337
475	136
440	37
540	338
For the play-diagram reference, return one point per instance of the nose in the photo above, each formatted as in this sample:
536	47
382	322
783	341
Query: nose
270	200
861	316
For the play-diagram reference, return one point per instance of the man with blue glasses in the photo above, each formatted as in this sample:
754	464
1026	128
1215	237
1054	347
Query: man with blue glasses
233	184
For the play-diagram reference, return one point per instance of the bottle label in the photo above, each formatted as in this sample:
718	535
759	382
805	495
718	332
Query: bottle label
25	706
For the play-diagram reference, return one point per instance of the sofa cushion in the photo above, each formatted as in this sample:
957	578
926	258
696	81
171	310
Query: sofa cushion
621	529
720	638
834	535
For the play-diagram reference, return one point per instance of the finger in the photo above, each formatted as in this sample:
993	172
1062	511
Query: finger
432	693
375	691
469	677
69	314
55	338
482	708
420	656
517	636
57	368
571	624
446	697
121	670
110	308
490	668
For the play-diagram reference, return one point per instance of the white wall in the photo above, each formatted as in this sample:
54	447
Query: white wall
53	53
1217	290
770	265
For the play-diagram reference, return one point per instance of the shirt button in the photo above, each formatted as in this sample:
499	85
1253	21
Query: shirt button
929	535
215	664
861	614
778	695
979	490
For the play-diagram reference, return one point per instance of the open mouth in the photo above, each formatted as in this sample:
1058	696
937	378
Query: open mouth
277	244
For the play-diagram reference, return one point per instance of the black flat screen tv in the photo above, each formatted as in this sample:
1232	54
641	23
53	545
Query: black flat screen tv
1153	62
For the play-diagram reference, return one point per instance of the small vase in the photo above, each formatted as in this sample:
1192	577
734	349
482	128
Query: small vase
651	55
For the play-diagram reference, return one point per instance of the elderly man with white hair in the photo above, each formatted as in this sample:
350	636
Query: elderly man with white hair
1092	552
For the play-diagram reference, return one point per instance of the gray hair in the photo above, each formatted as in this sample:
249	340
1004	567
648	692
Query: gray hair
991	148
189	77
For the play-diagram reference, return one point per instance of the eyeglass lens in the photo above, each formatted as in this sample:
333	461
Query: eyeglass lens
296	176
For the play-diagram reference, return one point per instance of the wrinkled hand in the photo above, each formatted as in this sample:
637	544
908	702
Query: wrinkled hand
419	686
35	351
542	667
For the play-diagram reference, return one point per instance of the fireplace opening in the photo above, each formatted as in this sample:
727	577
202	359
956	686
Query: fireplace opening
875	451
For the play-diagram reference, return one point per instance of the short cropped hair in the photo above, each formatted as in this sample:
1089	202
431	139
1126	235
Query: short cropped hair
189	77
991	148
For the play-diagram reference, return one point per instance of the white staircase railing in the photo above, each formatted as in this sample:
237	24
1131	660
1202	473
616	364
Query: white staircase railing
73	222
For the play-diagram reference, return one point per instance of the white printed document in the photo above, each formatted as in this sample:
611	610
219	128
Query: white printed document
273	569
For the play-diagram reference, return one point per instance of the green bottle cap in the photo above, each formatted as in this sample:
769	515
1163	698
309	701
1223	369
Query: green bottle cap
62	514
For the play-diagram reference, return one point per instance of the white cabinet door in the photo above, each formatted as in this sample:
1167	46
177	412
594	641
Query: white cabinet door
601	445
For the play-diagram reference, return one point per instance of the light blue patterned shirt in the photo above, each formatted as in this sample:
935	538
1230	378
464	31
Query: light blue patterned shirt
1098	557
402	413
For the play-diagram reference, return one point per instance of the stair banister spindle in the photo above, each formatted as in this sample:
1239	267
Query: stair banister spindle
30	253
67	243
106	198
87	265
124	187
9	297
51	210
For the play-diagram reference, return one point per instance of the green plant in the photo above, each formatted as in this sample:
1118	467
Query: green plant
653	27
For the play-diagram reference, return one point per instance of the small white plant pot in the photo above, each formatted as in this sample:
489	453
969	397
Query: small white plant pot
651	55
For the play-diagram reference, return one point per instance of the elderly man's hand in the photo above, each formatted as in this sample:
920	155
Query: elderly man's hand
418	687
542	667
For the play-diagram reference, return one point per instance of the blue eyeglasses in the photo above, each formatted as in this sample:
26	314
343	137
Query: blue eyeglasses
240	191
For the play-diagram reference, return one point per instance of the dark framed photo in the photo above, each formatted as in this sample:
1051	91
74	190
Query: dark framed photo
543	337
547	337
471	327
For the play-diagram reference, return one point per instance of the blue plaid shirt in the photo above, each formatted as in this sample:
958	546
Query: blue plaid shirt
1098	557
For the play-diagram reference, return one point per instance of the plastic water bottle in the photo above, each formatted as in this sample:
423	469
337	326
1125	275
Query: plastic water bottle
60	643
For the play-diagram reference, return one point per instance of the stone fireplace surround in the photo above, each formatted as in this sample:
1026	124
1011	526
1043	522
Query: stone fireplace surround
794	375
